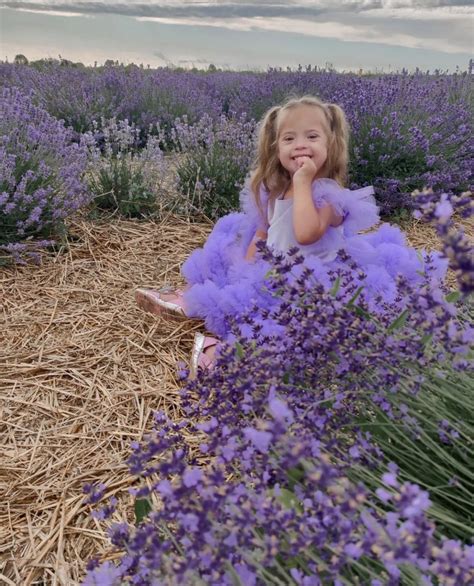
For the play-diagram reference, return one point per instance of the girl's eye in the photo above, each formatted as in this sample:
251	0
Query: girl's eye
288	138
313	135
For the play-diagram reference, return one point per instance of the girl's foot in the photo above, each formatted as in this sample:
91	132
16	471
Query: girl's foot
202	354
165	301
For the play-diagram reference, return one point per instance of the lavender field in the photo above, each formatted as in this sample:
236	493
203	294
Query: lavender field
408	132
337	452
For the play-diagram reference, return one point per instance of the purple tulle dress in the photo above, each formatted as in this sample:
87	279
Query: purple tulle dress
222	283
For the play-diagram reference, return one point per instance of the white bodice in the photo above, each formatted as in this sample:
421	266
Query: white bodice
281	234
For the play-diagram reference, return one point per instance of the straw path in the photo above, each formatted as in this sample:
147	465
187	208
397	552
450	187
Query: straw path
81	371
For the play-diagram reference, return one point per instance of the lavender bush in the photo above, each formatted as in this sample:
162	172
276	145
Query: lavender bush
215	160
81	96
407	135
431	440
41	173
294	488
121	177
431	436
408	131
77	96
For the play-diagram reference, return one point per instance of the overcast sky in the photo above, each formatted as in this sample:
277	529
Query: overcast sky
369	34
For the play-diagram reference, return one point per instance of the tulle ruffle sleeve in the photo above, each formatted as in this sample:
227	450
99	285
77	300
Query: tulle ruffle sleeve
248	205
357	207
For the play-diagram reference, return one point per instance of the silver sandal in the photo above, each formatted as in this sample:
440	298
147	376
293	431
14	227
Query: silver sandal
199	360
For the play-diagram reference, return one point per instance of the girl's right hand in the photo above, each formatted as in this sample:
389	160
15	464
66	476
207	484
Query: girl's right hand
306	171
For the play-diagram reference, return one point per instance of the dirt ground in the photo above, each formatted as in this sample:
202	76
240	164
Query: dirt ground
81	371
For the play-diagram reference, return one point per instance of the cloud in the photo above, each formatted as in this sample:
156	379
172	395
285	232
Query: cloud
420	24
176	9
328	30
56	13
243	9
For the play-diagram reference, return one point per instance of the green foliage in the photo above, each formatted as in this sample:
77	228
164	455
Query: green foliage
400	216
434	448
142	509
118	186
122	178
20	60
215	160
211	182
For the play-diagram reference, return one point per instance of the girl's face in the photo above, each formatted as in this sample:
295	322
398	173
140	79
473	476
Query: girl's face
301	134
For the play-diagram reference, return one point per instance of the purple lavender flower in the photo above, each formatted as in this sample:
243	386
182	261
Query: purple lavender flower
408	131
280	496
95	492
41	172
105	575
216	157
121	177
456	247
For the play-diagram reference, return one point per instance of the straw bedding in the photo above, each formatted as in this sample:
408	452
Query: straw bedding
81	371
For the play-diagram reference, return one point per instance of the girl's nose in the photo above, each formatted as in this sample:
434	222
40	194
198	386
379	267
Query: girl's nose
300	142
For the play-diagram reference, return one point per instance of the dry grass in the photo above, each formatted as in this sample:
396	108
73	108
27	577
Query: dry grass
422	236
81	372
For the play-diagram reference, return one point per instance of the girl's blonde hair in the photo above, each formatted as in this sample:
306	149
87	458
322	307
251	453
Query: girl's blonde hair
269	173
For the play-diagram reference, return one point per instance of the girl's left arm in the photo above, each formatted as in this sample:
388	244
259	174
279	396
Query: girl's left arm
310	223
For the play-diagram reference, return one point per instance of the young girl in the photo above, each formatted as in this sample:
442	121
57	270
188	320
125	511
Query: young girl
295	196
